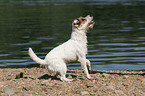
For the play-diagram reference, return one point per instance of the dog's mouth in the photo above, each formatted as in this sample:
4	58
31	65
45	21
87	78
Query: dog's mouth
91	24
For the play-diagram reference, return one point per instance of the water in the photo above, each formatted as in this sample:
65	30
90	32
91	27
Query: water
117	41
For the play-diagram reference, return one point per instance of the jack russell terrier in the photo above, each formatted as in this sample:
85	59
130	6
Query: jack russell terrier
75	49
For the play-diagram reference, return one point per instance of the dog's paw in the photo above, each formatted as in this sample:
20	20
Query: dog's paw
91	78
68	80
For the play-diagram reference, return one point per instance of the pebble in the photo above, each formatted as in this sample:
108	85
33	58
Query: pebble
9	91
125	84
1	75
110	87
105	75
27	93
125	77
90	85
70	77
45	82
20	75
144	80
13	82
119	92
27	88
138	86
84	93
2	83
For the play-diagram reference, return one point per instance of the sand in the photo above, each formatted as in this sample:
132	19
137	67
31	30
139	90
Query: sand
39	82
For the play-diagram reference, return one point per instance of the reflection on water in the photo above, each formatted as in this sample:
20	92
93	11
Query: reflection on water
116	42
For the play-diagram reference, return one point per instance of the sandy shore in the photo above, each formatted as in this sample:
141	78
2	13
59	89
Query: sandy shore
38	82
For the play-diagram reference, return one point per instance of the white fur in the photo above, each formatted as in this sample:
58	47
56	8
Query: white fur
75	49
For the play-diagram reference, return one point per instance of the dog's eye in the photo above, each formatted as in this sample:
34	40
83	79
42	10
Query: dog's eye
74	23
79	23
83	19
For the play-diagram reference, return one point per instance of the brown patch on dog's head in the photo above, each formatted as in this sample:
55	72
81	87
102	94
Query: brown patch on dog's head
79	21
83	23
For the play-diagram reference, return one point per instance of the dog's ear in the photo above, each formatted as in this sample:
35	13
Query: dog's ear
75	23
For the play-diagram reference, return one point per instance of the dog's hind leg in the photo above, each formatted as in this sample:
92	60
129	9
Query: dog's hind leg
65	79
62	73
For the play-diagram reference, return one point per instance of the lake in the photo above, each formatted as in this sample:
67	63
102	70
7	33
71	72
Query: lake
117	41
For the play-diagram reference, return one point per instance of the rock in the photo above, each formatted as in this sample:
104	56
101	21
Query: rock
105	75
125	77
27	88
20	75
138	86
124	84
110	87
84	93
27	93
45	82
144	80
119	93
90	85
70	77
2	83
9	91
1	75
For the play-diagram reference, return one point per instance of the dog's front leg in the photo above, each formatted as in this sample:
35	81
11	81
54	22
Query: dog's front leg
84	66
88	65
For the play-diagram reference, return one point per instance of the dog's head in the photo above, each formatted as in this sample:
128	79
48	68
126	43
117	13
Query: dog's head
83	23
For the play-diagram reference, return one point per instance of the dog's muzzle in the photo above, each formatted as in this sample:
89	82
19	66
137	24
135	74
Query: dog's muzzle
91	23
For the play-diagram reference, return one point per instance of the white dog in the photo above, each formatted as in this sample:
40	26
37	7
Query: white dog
75	49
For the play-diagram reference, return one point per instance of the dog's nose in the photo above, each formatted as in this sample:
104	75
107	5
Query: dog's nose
89	17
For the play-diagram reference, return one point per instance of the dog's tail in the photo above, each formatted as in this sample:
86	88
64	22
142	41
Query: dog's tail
35	58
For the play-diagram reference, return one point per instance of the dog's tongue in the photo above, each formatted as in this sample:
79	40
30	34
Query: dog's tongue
92	21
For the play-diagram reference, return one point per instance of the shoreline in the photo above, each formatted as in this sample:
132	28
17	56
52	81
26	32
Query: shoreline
38	82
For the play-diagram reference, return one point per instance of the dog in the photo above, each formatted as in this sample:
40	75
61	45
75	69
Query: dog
74	50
